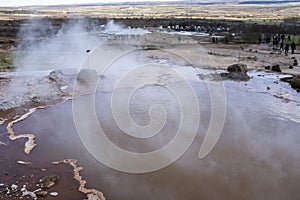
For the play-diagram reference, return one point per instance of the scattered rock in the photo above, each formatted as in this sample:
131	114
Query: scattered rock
296	85
237	68
236	72
293	81
268	88
23	162
2	121
41	193
14	187
54	194
56	76
87	76
28	193
267	67
235	76
276	68
64	87
68	72
25	192
291	67
295	63
92	197
35	99
48	181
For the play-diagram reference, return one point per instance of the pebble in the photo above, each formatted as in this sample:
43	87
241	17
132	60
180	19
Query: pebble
54	194
23	162
64	87
48	181
14	187
42	193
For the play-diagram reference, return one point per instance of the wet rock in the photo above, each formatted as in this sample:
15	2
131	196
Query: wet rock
296	85
14	187
267	67
276	68
2	121
28	193
41	193
237	72
48	181
54	194
68	72
35	99
237	68
293	81
92	197
87	76
64	87
56	76
236	76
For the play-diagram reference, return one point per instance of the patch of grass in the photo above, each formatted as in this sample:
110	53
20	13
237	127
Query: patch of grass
218	54
15	12
249	58
6	61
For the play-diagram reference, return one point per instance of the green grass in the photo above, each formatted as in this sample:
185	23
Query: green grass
15	12
6	61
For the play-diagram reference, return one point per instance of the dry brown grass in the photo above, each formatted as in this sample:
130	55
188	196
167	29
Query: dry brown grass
224	11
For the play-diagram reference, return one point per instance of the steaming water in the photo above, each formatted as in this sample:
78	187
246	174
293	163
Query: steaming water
257	156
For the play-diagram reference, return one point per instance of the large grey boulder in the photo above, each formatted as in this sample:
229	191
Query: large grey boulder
237	68
237	72
87	76
276	68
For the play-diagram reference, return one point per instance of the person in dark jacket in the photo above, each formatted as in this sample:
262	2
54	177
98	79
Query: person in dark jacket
286	49
293	47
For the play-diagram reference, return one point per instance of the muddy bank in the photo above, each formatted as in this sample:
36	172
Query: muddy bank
15	176
21	91
293	81
22	94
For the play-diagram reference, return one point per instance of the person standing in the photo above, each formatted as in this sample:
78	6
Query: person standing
281	45
293	47
287	47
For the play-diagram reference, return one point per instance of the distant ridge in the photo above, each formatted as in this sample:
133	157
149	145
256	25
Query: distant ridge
168	2
195	2
270	2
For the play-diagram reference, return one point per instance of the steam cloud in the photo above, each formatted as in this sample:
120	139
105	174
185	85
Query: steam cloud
45	46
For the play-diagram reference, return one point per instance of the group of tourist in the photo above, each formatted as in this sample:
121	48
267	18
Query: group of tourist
281	42
284	43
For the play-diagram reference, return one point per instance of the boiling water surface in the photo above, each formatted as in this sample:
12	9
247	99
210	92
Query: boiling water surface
256	156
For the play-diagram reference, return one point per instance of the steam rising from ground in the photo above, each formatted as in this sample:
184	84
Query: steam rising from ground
43	45
256	155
